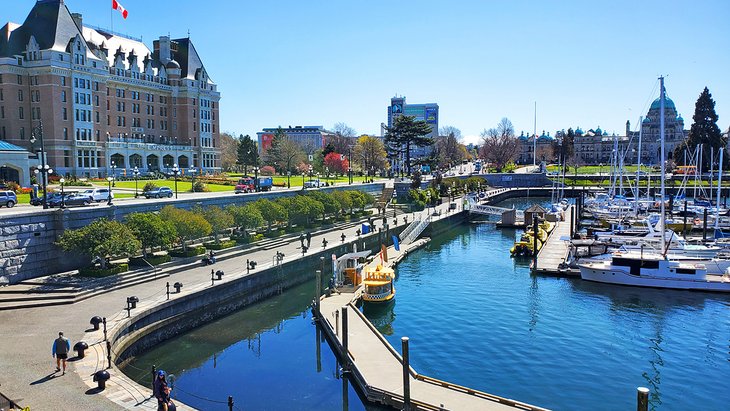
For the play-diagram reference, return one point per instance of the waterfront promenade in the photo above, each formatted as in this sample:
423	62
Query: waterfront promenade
28	375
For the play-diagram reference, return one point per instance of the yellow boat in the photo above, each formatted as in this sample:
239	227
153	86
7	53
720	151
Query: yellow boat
378	282
524	247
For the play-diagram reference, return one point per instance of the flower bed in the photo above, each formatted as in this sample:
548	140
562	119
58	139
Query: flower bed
221	245
191	252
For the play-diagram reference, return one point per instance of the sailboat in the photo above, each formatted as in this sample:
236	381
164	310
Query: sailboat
655	270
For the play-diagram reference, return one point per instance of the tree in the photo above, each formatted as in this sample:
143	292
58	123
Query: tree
188	225
219	219
302	209
246	217
704	128
336	163
343	139
369	153
416	180
271	212
151	230
499	145
449	151
450	130
101	240
344	199
284	154
228	145
247	153
330	203
405	133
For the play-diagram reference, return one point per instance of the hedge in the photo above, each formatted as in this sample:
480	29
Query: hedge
99	272
152	259
221	245
192	252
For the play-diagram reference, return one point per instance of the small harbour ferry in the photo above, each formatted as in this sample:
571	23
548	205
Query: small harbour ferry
378	282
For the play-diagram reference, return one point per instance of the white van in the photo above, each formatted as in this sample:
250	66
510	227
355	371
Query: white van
313	184
98	194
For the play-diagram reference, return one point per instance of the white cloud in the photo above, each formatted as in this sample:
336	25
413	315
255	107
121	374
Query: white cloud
471	139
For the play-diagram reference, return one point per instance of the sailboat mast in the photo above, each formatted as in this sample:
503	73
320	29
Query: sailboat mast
661	159
638	168
719	186
534	139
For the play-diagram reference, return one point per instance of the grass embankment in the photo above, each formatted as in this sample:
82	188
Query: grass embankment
605	170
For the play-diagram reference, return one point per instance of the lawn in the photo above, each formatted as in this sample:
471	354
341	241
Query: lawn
182	186
606	169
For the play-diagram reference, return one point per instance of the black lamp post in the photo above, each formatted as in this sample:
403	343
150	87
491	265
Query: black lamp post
63	194
113	168
288	178
109	198
349	165
44	171
310	172
135	173
256	179
303	173
175	172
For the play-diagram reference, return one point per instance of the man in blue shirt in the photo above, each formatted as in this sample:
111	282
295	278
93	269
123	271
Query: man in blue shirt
61	347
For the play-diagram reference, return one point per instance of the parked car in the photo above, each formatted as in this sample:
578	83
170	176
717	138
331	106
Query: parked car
8	199
98	194
38	201
313	184
158	192
71	199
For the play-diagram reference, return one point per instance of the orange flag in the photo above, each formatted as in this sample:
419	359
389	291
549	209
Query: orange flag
384	253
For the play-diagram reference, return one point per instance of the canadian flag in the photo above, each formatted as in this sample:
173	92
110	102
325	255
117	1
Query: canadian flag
117	6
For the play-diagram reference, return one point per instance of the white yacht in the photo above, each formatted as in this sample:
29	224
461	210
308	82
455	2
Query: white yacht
653	270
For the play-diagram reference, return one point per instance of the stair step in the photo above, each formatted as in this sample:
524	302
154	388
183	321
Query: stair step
36	297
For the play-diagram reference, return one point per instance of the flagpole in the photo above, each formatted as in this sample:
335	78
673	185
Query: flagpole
111	19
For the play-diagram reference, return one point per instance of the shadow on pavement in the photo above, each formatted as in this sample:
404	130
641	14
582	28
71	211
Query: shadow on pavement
45	379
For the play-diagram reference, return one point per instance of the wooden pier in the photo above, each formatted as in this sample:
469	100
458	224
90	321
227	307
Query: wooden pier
378	369
553	253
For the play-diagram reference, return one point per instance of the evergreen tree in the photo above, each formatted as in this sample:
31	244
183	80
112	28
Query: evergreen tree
247	153
405	133
704	129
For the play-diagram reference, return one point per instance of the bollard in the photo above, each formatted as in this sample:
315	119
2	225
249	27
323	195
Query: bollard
109	354
101	377
318	290
219	274
230	403
704	227
167	286
346	359
95	321
642	399
80	347
248	266
212	277
178	285
406	374
103	320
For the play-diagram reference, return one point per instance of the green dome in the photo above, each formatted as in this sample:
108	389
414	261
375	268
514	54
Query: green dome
668	103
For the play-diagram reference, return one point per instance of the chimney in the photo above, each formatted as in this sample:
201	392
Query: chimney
78	19
162	46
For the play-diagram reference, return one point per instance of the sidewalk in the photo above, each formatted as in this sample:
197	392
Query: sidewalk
25	352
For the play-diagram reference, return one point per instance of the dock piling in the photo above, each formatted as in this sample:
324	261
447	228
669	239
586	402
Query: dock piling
534	242
406	375
230	403
704	226
346	360
337	323
642	399
318	291
572	222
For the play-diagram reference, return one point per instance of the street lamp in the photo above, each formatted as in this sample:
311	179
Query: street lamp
109	198
310	172
114	173
256	179
349	165
349	174
63	194
192	172
44	171
135	173
175	172
303	173
288	178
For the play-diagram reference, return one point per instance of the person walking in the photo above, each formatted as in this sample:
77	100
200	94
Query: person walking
301	239
309	239
161	391
61	347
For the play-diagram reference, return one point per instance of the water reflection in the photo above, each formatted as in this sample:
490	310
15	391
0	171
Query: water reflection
381	316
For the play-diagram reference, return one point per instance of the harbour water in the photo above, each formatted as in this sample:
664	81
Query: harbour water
477	318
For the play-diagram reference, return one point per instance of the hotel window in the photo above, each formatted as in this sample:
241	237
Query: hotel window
22	133
65	113
65	133
20	95
20	113
2	111
96	86
20	79
1	95
63	96
96	101
97	116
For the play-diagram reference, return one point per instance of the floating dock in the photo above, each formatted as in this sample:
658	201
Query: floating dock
552	255
378	369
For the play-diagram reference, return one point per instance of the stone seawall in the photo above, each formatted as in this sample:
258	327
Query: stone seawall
27	248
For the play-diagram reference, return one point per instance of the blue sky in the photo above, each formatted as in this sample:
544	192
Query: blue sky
586	64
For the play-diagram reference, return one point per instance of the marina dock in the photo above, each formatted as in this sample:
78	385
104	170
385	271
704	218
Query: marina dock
554	252
378	369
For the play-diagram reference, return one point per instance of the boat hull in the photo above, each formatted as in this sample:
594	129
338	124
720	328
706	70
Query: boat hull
613	276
